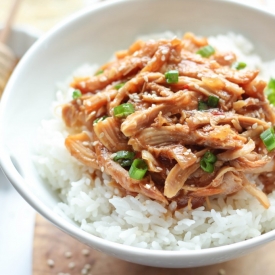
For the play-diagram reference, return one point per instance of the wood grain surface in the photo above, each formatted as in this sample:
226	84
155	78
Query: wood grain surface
56	253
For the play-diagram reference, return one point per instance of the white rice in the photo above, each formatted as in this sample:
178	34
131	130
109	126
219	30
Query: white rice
139	221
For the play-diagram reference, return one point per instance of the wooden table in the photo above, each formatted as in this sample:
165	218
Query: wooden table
50	243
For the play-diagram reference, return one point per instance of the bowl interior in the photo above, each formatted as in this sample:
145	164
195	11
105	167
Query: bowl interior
92	36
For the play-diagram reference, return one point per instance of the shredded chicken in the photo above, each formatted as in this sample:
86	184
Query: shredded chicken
167	130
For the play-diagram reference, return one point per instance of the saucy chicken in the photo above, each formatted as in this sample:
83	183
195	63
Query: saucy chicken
175	120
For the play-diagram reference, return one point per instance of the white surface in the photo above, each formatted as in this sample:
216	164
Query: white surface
16	215
16	231
69	46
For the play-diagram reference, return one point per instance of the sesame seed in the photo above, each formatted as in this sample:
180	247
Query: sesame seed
92	113
159	168
227	57
50	262
84	271
197	86
103	78
147	186
78	101
145	77
222	272
85	143
101	135
88	103
95	143
255	125
162	58
85	252
87	266
102	169
122	67
71	265
164	51
68	254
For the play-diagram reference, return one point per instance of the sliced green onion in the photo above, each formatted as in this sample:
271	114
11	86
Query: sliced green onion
138	169
99	119
202	105
239	65
270	91
125	162
207	162
207	166
77	94
206	51
213	101
268	138
118	86
124	155
172	76
124	158
210	157
99	72
124	110
267	132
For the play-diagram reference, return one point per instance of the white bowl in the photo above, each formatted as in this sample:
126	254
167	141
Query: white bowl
92	36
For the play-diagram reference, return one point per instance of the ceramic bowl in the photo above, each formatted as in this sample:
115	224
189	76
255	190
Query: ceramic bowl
92	35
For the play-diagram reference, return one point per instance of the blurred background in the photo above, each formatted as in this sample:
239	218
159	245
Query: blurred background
44	14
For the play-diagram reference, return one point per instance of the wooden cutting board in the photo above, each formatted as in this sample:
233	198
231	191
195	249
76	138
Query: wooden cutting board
56	253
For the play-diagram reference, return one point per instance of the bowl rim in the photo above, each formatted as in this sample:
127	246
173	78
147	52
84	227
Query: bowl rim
18	182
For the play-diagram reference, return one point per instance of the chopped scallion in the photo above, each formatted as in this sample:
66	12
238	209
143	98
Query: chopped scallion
270	91
268	138
99	119
99	72
172	76
124	110
207	166
124	158
202	105
119	85
138	169
206	51
210	157
207	162
239	65
124	155
213	101
76	94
